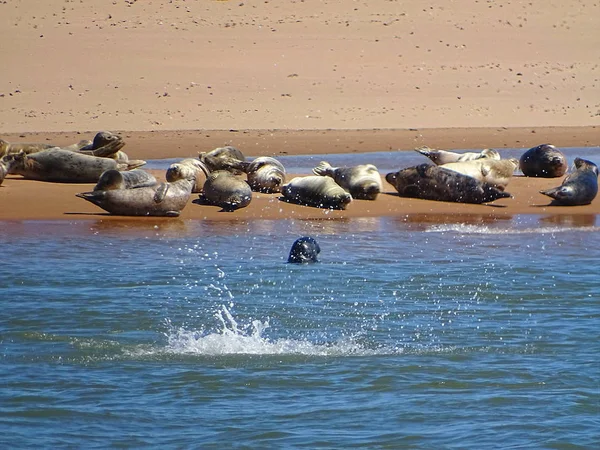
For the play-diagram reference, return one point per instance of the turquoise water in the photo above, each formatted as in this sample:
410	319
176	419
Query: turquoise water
197	334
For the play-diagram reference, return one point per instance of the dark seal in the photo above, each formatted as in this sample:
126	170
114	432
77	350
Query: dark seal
545	161
429	182
579	188
304	250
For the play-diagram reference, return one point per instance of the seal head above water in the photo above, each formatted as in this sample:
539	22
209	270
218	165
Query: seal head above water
304	250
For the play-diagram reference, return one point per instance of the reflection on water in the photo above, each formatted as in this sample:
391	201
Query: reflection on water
571	220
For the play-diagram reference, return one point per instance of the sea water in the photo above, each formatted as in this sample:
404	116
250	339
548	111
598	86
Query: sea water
408	333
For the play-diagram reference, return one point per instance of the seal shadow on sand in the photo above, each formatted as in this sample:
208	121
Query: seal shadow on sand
203	202
489	205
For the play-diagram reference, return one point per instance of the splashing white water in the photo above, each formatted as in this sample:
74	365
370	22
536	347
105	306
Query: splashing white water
233	339
483	229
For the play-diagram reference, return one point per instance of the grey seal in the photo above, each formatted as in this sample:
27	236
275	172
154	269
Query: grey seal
161	199
497	172
304	250
224	189
222	158
440	157
193	167
13	148
130	179
544	161
63	166
362	181
430	182
317	191
580	187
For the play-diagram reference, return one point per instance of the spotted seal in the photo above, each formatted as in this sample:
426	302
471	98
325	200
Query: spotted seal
130	179
161	199
580	187
430	182
497	172
224	189
265	174
544	161
304	250
317	191
63	166
440	157
362	181
194	167
222	158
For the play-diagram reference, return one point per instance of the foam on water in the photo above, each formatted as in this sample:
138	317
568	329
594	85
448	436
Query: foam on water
464	228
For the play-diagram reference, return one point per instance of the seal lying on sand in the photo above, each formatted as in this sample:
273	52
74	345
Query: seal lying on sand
304	250
429	182
63	166
194	167
161	199
5	164
440	157
578	188
493	171
222	158
8	148
131	179
544	161
362	181
315	190
265	174
224	189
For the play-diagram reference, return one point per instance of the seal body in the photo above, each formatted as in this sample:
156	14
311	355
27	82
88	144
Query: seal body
304	250
63	166
430	182
226	190
493	171
161	199
362	181
318	191
265	174
580	187
4	168
8	148
222	158
131	179
544	161
440	157
191	167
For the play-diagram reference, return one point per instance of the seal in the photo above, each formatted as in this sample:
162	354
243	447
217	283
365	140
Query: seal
194	167
222	158
430	182
317	191
362	182
5	164
161	199
131	179
544	161
441	157
304	250
580	187
497	172
265	174
224	189
8	148
63	166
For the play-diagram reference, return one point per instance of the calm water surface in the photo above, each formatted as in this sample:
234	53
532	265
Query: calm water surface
408	334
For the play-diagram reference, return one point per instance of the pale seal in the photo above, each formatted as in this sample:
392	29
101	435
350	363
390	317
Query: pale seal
304	250
315	190
193	167
5	164
265	174
440	157
544	161
580	187
362	182
130	179
224	189
63	166
161	199
430	182
493	171
222	158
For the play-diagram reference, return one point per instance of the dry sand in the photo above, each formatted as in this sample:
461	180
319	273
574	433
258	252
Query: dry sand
306	76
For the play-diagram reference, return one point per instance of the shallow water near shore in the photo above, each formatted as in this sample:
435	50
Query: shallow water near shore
413	331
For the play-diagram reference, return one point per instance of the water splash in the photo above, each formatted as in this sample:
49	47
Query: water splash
464	228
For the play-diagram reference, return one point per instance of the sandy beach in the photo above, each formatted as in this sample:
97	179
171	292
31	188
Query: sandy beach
299	77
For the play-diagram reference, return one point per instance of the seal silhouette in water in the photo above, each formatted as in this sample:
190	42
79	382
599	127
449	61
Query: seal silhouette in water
578	188
304	250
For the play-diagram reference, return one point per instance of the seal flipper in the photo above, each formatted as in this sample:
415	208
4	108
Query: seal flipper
161	192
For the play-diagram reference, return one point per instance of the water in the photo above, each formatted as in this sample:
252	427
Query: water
196	334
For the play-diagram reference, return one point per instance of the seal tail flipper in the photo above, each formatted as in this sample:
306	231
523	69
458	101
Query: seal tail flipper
552	193
324	169
425	151
130	165
92	197
108	150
